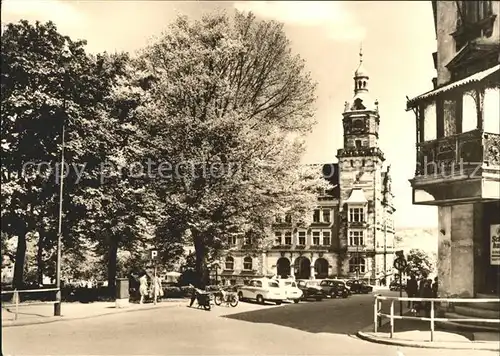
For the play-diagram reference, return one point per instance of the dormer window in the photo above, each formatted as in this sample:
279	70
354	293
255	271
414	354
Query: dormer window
358	143
475	20
358	104
356	214
471	12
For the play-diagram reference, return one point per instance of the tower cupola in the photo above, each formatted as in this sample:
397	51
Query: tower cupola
361	76
362	99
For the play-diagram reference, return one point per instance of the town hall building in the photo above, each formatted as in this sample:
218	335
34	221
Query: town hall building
352	230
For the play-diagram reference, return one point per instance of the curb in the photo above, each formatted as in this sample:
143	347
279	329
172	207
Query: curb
11	323
484	346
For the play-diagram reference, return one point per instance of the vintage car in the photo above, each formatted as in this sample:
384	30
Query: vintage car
334	288
360	287
262	290
311	289
292	291
396	286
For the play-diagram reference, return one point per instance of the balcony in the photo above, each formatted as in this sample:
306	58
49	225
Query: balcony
357	224
356	248
457	169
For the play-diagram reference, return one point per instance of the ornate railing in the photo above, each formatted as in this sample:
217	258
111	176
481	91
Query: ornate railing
360	248
359	224
458	155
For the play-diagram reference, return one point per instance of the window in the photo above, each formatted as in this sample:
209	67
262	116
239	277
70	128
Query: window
326	215
288	238
439	118
316	215
288	218
356	238
247	263
248	239
357	264
474	11
302	237
273	285
277	237
232	240
257	284
356	215
358	143
316	237
326	238
430	122
279	219
229	263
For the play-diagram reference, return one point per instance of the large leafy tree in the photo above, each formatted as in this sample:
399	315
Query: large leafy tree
120	211
33	98
419	262
227	115
48	81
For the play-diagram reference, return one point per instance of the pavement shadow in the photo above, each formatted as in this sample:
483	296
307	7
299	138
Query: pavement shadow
421	325
24	313
308	318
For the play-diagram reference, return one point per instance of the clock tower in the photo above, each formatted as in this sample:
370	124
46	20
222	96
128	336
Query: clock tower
361	178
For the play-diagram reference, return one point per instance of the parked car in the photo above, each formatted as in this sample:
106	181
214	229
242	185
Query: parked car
360	287
396	286
262	290
310	289
334	288
347	284
292	292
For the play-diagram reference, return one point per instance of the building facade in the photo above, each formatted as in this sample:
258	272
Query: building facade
458	146
352	230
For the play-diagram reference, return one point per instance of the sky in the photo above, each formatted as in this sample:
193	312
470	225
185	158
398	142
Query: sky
397	37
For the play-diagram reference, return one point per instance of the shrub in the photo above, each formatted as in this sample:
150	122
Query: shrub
172	292
186	291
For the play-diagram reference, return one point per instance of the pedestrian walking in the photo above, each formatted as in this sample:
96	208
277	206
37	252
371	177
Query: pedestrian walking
420	292
427	293
156	290
435	286
143	286
411	291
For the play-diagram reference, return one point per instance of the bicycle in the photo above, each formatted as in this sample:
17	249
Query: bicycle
230	298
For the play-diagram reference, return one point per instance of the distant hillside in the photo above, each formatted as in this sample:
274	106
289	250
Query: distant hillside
422	238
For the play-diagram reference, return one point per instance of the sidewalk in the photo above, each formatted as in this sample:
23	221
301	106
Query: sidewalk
416	333
41	314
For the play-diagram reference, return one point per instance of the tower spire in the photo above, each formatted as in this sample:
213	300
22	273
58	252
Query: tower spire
360	75
361	53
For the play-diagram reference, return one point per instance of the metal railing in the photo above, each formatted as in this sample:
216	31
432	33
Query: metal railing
377	311
17	301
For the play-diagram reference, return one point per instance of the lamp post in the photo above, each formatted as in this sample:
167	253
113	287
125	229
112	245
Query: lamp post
57	305
385	247
358	259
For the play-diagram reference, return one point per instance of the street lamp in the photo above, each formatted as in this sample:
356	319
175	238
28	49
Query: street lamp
57	305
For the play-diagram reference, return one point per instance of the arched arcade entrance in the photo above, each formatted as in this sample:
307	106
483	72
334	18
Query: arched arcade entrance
283	267
321	268
302	268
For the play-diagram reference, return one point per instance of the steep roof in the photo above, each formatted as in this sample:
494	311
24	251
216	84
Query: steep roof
357	197
331	174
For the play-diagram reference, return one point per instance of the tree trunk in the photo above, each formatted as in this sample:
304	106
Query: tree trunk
112	260
18	279
200	261
39	256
